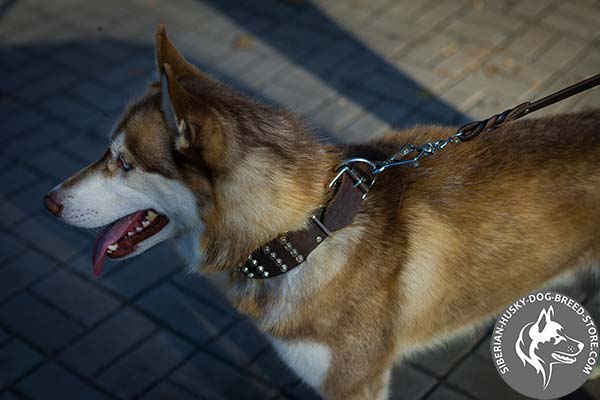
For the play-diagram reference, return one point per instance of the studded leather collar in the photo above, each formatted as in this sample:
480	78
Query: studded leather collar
291	249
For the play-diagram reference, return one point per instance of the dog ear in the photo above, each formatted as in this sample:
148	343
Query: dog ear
177	106
194	123
543	319
166	53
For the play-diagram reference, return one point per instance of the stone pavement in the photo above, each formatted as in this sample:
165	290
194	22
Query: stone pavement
354	68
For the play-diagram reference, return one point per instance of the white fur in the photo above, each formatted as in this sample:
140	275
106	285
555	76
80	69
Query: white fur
188	247
310	360
98	200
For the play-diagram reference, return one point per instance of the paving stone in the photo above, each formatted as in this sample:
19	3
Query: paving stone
106	342
570	24
168	391
210	377
29	200
16	178
364	127
54	382
270	367
336	114
145	364
39	138
98	96
476	377
200	286
239	345
562	52
16	358
484	350
50	236
63	166
20	272
8	396
76	297
4	336
444	393
184	314
294	99
9	214
69	110
38	322
440	360
143	271
9	246
51	83
410	383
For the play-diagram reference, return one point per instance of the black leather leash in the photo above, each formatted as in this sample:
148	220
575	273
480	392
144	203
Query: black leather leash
472	129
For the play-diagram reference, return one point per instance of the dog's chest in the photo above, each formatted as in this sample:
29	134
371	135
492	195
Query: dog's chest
309	360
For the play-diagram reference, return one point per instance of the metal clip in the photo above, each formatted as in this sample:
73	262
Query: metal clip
362	180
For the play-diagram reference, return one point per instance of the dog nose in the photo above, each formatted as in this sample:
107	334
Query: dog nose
52	204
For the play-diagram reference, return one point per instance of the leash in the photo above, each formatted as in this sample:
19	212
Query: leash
356	176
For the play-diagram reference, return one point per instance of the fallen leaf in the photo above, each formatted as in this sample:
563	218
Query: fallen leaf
243	41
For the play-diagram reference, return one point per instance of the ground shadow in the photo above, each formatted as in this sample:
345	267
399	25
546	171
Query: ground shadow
299	24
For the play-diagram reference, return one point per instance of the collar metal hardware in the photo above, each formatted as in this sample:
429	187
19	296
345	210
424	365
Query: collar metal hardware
356	176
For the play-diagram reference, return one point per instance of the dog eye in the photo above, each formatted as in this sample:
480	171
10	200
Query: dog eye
124	165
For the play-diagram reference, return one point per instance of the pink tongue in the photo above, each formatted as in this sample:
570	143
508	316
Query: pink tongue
109	237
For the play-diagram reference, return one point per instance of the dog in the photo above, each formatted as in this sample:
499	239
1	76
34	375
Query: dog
434	251
543	344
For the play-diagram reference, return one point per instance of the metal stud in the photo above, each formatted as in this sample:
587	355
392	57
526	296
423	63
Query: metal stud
288	246
267	249
254	262
250	257
266	274
250	275
245	270
319	239
278	261
294	252
260	268
283	268
283	240
300	258
273	255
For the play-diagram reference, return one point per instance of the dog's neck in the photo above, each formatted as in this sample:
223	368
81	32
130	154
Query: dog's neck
272	189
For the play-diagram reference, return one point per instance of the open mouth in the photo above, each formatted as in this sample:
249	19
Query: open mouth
123	236
563	358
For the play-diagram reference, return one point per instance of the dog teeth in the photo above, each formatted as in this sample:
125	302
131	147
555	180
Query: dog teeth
145	223
138	229
151	216
129	234
112	247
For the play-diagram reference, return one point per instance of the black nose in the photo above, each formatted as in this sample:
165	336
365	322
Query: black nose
52	204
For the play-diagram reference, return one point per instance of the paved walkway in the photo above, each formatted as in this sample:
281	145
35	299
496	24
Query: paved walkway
354	68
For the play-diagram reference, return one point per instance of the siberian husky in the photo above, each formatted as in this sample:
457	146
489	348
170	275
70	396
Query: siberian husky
435	250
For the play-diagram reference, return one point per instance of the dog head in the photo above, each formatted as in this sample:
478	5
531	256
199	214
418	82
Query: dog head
544	343
193	156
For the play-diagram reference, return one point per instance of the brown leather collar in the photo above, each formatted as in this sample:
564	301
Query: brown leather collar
291	249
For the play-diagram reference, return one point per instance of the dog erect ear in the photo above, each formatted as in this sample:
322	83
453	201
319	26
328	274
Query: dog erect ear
177	106
544	318
166	53
194	122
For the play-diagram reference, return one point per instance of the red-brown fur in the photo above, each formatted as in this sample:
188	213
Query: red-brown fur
435	250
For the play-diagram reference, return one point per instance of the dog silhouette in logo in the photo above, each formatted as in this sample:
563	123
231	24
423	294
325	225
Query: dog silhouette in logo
544	343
